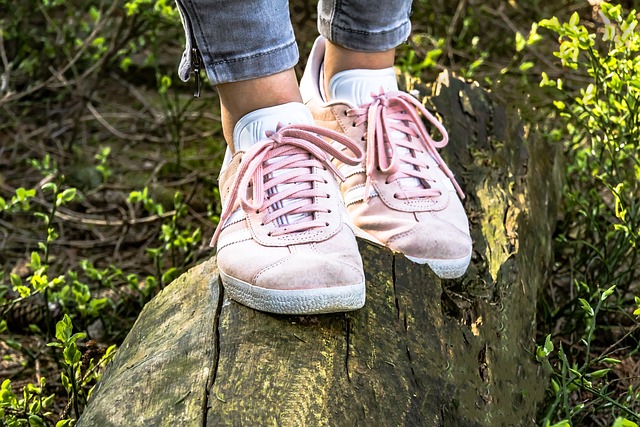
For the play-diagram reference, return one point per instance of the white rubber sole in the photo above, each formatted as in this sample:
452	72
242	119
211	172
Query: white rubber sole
305	301
443	268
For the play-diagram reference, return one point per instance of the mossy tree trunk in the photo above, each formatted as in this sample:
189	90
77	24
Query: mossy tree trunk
422	352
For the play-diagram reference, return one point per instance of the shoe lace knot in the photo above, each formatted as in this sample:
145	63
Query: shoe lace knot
397	143
276	177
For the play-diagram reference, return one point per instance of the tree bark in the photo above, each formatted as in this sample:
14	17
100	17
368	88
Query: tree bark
422	352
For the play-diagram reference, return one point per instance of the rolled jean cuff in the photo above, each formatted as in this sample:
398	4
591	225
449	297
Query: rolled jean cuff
364	25
251	66
364	41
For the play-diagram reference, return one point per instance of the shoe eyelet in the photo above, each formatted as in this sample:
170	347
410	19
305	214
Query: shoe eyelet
328	196
326	224
257	211
326	182
362	139
269	234
329	211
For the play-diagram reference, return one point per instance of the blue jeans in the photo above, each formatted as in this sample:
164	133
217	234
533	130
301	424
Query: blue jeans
244	39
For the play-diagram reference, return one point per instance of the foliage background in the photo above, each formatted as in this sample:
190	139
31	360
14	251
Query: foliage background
108	170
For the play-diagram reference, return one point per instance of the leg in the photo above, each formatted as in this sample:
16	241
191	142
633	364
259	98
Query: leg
238	99
338	59
281	243
362	34
403	196
247	47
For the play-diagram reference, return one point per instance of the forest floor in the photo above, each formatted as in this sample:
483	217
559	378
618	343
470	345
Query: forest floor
143	156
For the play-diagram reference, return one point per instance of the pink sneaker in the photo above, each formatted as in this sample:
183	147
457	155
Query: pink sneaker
283	244
403	196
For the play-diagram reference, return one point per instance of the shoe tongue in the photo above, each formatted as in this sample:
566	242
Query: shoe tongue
252	127
356	86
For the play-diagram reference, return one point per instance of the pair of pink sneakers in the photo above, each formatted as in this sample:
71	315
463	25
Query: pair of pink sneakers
286	243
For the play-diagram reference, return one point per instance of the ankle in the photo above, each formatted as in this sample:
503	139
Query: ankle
338	59
238	99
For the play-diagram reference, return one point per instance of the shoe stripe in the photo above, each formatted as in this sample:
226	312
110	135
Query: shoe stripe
235	217
349	171
233	238
356	194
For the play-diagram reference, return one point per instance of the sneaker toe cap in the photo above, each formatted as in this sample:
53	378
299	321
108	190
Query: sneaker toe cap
310	271
427	241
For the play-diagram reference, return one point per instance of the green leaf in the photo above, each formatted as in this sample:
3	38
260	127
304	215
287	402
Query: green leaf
34	407
169	275
574	20
623	422
15	280
55	344
50	186
71	354
63	329
64	379
586	306
78	336
520	42
35	261
47	401
607	293
66	196
24	291
552	24
599	373
545	350
36	421
526	66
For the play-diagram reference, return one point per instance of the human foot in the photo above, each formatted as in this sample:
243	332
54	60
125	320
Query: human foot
283	243
403	196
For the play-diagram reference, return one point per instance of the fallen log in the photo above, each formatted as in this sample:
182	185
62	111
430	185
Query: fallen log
421	352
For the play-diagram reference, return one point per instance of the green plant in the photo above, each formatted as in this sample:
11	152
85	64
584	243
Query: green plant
176	240
78	377
88	101
31	409
601	226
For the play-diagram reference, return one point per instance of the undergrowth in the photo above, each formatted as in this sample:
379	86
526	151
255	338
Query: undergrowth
594	343
106	190
108	166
